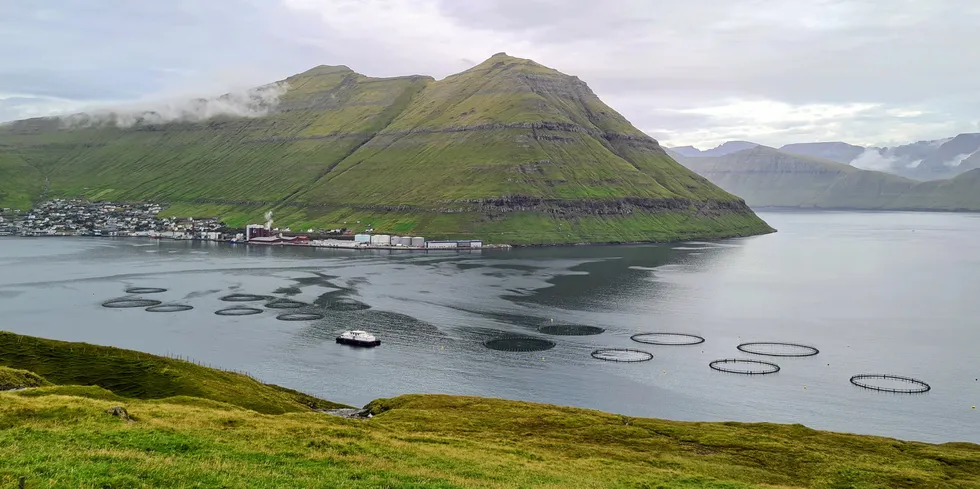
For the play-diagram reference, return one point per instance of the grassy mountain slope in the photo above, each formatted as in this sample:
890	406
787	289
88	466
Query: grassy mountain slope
139	375
767	177
20	183
961	193
510	151
62	437
11	378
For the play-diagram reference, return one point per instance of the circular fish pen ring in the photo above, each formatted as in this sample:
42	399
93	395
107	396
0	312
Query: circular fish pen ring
668	339
519	344
754	367
774	349
145	290
570	330
238	311
300	316
919	386
624	355
285	304
169	308
244	298
130	303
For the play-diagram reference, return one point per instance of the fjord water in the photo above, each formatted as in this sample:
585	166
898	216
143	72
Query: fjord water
875	292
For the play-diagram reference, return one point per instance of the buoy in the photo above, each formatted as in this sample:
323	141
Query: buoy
974	407
665	371
804	387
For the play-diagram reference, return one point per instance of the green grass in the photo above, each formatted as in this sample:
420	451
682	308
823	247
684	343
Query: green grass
138	375
59	440
19	379
205	436
419	151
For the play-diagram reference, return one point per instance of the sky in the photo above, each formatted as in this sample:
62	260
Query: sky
697	72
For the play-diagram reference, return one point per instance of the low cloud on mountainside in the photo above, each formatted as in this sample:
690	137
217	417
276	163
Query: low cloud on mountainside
255	102
872	159
870	72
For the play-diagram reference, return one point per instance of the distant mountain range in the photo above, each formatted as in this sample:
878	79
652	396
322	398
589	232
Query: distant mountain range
923	160
769	177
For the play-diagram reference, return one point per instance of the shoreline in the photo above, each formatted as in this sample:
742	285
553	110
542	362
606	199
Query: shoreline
369	247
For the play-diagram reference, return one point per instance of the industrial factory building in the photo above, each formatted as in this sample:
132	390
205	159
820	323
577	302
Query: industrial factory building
454	245
264	234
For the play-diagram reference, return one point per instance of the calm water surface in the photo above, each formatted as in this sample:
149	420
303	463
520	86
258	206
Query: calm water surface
875	292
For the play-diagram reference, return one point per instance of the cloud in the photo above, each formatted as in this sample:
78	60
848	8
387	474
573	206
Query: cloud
873	159
959	159
250	103
773	71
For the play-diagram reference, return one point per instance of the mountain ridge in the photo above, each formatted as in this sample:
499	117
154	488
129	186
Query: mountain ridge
921	160
507	151
767	177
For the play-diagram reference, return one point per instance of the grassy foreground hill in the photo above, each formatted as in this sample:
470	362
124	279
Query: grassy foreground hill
28	362
767	177
509	151
63	436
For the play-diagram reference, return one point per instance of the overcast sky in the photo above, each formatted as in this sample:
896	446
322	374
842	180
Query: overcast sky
687	72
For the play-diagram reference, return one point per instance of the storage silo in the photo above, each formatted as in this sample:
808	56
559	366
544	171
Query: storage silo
418	242
362	238
383	239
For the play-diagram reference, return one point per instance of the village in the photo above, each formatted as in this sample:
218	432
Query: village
74	217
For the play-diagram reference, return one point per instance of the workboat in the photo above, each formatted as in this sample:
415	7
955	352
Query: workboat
358	338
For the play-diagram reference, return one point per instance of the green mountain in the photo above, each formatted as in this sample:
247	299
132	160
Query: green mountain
767	177
509	151
198	427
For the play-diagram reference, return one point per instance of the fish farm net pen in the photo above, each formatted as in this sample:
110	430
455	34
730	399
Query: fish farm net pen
570	330
744	367
519	344
300	316
245	298
775	349
238	311
667	339
169	308
145	290
874	382
130	303
624	355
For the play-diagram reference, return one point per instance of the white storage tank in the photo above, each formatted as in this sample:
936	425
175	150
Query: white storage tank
418	242
362	238
401	241
381	240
